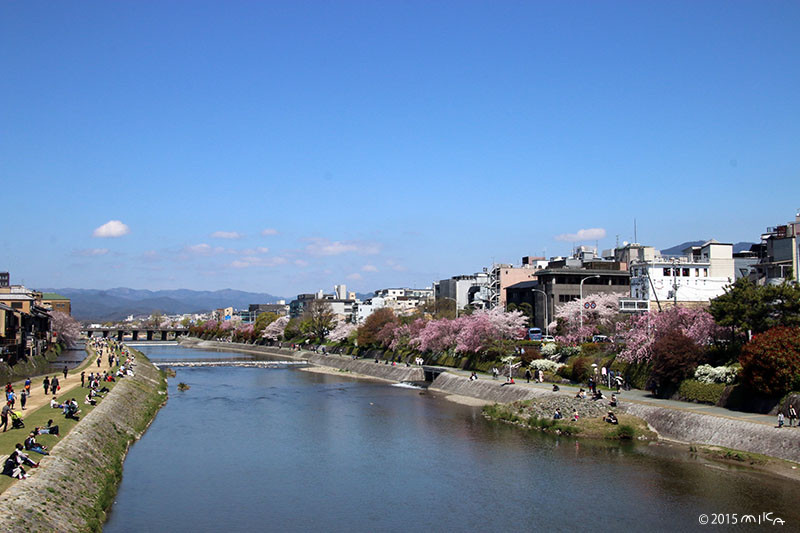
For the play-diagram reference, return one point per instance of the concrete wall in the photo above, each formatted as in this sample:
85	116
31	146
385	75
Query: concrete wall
711	430
489	390
75	484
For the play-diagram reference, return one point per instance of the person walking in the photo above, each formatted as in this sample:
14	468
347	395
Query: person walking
98	361
792	415
23	398
83	378
4	416
780	419
28	386
54	385
528	375
66	370
46	384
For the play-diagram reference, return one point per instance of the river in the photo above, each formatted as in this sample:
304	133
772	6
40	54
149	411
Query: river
281	449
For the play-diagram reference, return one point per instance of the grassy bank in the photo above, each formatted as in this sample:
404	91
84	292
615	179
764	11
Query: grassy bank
529	414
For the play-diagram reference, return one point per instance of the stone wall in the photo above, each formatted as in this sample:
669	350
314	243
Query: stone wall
697	428
489	390
76	483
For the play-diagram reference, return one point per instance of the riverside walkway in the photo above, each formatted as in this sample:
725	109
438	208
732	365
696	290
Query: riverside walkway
637	396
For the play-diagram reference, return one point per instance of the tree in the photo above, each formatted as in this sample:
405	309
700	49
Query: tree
342	331
526	309
262	321
368	331
747	307
319	319
66	328
155	319
771	361
511	307
186	322
675	357
275	330
601	317
639	333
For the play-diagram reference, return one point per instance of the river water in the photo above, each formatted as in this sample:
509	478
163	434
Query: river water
280	449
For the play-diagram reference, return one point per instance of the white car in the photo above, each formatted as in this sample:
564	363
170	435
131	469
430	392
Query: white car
548	338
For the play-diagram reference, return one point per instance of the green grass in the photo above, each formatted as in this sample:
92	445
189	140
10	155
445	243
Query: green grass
39	417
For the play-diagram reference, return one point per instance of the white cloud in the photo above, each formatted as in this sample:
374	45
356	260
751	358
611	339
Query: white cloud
269	231
369	268
319	246
591	234
90	252
112	228
300	263
355	275
253	261
204	249
226	235
252	251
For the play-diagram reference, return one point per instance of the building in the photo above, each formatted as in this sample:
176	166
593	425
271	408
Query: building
280	309
344	309
503	276
4	279
691	279
469	290
560	282
779	254
56	302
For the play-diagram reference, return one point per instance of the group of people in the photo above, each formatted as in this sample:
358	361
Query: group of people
14	465
11	395
537	375
792	414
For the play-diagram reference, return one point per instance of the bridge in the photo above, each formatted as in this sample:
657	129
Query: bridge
150	333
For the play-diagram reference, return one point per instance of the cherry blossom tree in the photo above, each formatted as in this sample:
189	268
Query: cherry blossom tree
66	328
342	331
640	332
603	312
275	330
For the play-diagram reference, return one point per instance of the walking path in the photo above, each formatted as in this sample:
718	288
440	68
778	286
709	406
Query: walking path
639	396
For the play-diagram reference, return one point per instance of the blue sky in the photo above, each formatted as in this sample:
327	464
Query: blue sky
383	143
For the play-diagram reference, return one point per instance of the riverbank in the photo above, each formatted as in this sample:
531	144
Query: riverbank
76	484
682	424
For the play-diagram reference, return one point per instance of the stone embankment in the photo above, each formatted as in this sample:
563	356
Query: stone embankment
683	425
76	484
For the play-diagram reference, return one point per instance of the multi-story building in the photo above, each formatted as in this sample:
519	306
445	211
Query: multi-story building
56	302
779	254
469	290
563	281
691	279
4	279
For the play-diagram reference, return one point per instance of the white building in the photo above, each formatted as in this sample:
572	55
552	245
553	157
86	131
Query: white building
363	309
692	279
464	290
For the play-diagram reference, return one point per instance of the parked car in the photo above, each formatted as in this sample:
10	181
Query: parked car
601	338
548	338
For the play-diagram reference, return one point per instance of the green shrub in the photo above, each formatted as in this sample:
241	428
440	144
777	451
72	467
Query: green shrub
625	432
581	369
691	390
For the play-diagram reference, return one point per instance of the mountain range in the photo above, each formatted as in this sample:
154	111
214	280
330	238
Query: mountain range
116	304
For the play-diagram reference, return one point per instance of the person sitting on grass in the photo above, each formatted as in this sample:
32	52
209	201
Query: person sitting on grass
557	415
581	394
613	402
575	415
55	405
32	445
611	418
89	401
13	467
71	409
49	429
598	395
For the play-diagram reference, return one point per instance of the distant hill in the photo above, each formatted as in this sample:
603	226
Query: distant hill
678	249
364	295
116	304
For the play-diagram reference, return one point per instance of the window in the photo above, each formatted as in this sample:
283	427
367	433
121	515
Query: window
686	272
697	272
16	305
705	272
667	272
676	272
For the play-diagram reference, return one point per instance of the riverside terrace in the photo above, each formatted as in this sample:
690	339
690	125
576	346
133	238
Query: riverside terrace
151	333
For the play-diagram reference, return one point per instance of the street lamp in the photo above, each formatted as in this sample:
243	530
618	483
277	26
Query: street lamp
581	288
546	322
